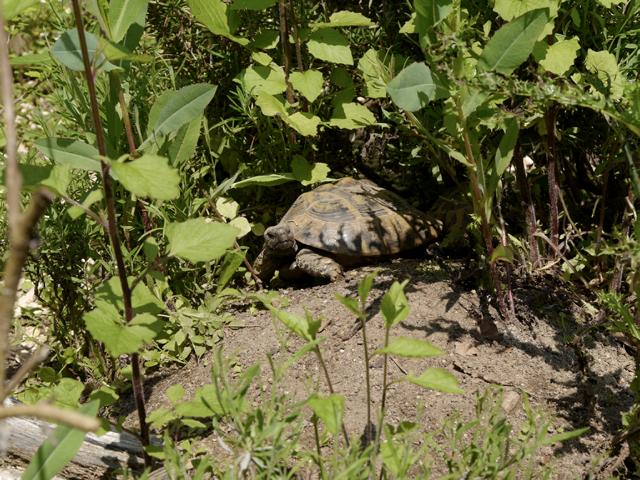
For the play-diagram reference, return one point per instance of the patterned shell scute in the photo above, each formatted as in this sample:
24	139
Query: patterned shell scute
357	218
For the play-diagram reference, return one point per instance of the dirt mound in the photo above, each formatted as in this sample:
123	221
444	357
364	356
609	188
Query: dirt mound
580	384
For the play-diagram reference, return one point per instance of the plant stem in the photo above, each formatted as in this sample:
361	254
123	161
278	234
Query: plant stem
330	387
53	414
552	171
112	224
527	202
363	322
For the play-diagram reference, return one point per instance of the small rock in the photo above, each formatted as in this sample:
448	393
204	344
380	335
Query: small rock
466	349
510	400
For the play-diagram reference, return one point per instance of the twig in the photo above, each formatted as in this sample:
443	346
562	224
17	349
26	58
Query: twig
33	361
22	234
552	170
47	412
138	391
527	203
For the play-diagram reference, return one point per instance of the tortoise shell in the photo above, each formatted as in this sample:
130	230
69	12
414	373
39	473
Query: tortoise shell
357	218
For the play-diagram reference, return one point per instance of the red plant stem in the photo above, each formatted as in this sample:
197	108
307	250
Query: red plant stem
112	223
552	175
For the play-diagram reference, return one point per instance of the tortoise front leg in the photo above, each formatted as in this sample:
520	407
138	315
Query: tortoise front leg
317	265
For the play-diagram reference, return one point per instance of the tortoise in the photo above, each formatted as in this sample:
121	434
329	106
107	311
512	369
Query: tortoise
350	222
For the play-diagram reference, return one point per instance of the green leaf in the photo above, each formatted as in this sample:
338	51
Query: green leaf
374	73
270	105
38	59
308	83
11	8
365	286
560	56
265	40
329	409
304	123
179	108
66	151
149	176
252	4
413	87
200	240
58	450
344	18
331	46
351	116
503	253
142	299
227	207
605	66
257	79
242	225
214	15
91	198
58	179
306	173
175	393
394	304
411	348
262	58
106	325
350	303
232	260
503	156
270	180
508	9
562	437
429	13
183	147
436	379
305	327
123	14
66	50
513	43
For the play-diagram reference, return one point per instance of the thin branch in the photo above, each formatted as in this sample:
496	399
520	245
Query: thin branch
22	234
13	176
25	369
112	222
552	175
50	413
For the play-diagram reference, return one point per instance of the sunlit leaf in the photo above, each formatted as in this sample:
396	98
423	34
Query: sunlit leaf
271	80
252	4
123	14
344	18
331	46
413	87
304	123
329	409
436	379
270	180
200	240
308	83
215	16
67	51
410	347
560	56
67	151
306	173
149	176
352	116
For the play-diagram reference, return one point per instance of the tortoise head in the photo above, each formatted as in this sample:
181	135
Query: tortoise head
279	240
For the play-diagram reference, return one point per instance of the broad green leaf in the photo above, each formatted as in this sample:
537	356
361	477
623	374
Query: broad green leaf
306	173
308	83
436	379
350	303
262	58
37	59
330	45
156	108
200	240
507	145
66	151
183	147
431	12
410	347
513	43
413	87
352	116
265	40
11	8
409	26
91	198
59	179
270	180
305	327
106	325
509	9
227	207
394	305
232	260
344	18
215	16
252	4
304	123
175	393
560	56
59	448
271	105
117	52
123	14
374	73
242	225
180	108
502	253
329	409
142	299
257	79
149	176
66	50
605	66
